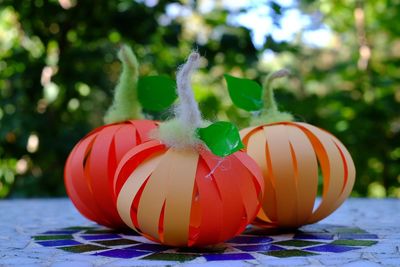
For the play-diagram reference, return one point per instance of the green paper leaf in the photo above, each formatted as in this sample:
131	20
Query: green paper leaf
222	138
156	93
245	93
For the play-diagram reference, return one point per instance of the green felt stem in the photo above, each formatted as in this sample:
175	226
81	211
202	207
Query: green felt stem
125	105
270	113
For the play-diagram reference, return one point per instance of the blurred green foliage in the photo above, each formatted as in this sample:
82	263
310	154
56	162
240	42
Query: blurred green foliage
58	66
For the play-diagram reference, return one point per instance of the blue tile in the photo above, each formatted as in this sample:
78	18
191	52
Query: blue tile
357	236
149	247
313	236
250	240
57	243
228	256
330	248
260	248
122	253
100	237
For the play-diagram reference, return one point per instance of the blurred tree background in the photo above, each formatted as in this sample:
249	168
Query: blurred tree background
58	67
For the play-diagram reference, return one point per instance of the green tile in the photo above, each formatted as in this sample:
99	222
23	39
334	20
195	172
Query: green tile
210	249
116	242
52	237
171	257
366	243
288	253
78	228
83	248
296	243
100	231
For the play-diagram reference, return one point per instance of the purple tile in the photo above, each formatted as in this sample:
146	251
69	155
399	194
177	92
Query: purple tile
261	248
330	248
357	236
149	247
313	236
228	256
122	253
250	240
101	237
57	243
61	232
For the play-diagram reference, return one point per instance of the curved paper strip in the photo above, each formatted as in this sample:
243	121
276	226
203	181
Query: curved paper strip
246	133
101	166
210	207
71	191
132	186
76	181
153	198
132	160
179	197
143	129
230	197
333	175
247	188
306	171
187	198
253	168
90	168
282	174
290	170
260	156
124	138
351	173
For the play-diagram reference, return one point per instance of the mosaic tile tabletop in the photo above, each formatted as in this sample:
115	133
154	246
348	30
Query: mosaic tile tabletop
364	232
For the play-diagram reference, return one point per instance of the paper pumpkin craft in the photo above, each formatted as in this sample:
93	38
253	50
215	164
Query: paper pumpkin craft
90	167
292	156
175	191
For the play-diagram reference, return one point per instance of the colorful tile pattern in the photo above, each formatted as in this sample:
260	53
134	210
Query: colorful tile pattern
330	248
100	236
82	248
58	243
252	244
261	248
289	253
122	253
228	257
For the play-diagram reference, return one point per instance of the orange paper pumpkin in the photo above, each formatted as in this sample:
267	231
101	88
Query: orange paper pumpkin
187	197
290	155
90	167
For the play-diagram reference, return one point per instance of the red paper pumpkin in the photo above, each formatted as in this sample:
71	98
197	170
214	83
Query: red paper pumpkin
290	155
187	197
90	168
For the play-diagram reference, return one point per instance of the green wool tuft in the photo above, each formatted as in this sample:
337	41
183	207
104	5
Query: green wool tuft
271	117
174	133
125	105
270	112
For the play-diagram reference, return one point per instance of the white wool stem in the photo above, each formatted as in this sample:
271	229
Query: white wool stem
188	110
